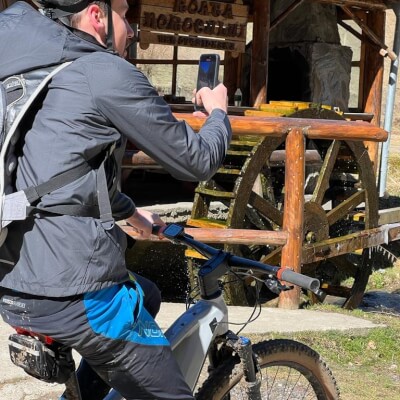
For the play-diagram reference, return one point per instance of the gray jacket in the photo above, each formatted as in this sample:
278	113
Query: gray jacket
98	100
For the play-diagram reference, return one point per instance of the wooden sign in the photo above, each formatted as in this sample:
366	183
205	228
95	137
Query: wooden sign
207	24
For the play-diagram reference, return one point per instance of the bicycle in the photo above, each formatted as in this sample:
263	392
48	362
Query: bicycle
237	369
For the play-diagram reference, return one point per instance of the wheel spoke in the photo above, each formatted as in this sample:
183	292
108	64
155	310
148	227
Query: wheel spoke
272	258
288	370
266	208
326	172
345	207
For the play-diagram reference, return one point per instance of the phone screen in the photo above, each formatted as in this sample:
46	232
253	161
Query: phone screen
208	71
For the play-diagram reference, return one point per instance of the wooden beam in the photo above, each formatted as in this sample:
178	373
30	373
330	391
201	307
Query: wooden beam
363	4
231	74
285	13
224	236
313	128
372	75
6	3
259	53
293	216
349	243
135	158
310	253
390	215
384	50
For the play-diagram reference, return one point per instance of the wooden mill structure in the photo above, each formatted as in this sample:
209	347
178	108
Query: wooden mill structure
327	228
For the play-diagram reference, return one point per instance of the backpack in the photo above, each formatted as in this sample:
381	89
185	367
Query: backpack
17	95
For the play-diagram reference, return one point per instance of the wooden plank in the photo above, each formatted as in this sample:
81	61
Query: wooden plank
225	236
239	15
190	22
312	128
235	31
278	157
196	7
192	41
216	193
293	216
259	113
206	223
228	171
350	243
364	4
389	216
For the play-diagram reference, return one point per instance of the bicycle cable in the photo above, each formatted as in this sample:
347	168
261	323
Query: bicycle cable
257	304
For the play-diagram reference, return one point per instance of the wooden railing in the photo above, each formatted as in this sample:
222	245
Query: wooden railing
295	131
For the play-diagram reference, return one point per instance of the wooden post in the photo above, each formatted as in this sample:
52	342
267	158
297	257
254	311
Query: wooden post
231	73
259	53
3	5
372	76
293	215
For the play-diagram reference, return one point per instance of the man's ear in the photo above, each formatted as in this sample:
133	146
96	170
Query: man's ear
97	19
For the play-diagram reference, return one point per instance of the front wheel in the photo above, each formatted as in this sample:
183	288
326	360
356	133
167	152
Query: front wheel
288	370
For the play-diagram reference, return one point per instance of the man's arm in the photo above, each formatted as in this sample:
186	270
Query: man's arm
124	95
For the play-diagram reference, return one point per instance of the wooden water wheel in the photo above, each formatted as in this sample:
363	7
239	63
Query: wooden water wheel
340	199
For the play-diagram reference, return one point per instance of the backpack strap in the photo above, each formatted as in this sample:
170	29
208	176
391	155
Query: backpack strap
103	198
20	205
34	193
28	104
3	111
103	210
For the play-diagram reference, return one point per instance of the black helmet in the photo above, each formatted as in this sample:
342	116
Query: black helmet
67	7
58	9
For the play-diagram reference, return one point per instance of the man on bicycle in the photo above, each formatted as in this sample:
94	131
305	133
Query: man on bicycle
63	274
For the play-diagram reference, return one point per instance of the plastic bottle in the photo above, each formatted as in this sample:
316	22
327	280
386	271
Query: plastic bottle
238	98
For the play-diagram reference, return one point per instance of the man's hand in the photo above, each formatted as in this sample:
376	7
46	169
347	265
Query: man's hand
210	99
142	221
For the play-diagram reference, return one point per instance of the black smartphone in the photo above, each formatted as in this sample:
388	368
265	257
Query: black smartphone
207	73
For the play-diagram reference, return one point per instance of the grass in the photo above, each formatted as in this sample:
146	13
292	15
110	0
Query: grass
365	363
393	174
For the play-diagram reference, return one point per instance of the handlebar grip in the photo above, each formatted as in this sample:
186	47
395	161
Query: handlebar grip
286	274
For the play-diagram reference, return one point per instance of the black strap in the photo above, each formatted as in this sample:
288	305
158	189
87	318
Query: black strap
76	210
110	27
103	199
103	211
34	193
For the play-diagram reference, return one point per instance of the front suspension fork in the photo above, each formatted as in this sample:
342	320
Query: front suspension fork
243	348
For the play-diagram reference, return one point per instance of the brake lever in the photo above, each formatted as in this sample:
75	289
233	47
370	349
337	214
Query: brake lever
275	286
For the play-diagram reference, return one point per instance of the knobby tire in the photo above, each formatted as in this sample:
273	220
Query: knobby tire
289	370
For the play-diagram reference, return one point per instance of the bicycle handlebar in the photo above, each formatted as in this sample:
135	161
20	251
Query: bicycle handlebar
175	233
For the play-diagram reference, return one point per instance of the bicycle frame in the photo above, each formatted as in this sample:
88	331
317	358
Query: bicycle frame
192	333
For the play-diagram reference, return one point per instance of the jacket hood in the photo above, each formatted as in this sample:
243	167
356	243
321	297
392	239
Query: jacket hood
29	40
